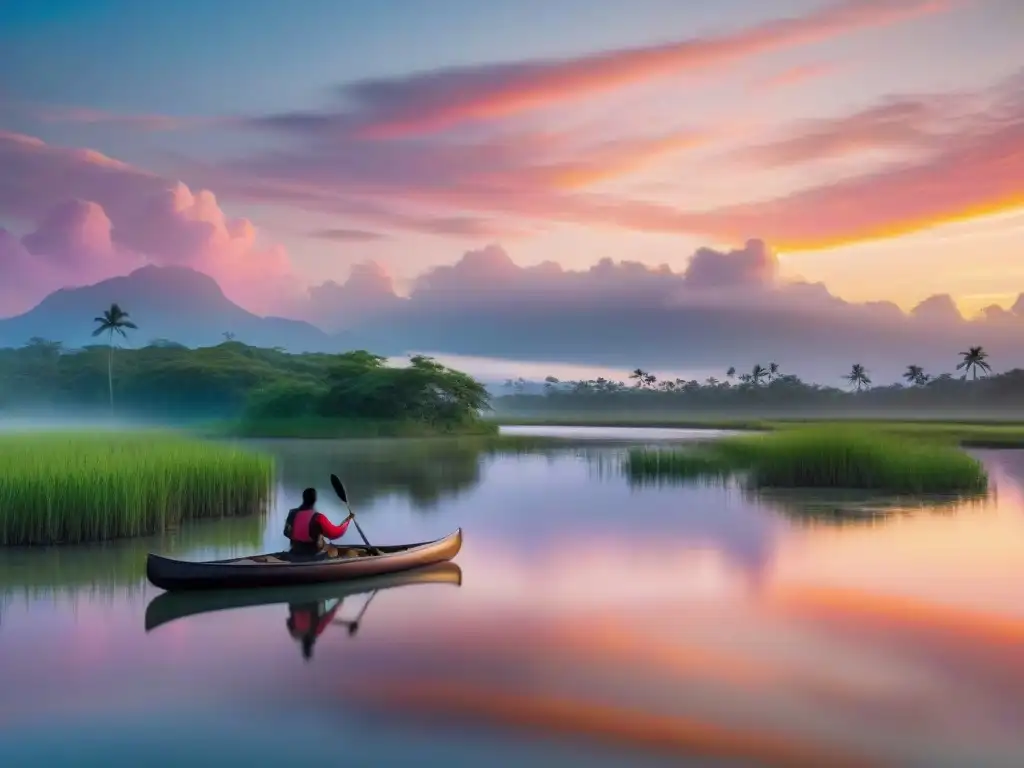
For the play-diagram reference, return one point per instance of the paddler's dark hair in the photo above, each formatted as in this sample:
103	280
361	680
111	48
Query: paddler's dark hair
309	497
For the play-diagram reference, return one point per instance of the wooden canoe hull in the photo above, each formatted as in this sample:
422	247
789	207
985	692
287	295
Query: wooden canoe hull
169	606
242	572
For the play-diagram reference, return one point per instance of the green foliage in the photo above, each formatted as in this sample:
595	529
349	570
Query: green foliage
234	381
769	393
360	386
816	457
296	400
72	488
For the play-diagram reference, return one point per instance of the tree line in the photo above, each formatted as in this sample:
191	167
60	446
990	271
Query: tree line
231	380
766	388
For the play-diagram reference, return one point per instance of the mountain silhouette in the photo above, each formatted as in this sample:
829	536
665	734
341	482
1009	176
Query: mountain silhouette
177	304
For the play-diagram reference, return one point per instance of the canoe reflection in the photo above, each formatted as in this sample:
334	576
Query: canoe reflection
307	621
311	608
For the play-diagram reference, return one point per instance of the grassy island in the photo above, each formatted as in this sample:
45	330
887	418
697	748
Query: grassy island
60	488
359	395
815	457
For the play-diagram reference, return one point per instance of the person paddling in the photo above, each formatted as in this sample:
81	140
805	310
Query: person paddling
307	529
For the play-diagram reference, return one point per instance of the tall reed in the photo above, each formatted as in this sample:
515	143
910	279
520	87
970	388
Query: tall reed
836	457
71	488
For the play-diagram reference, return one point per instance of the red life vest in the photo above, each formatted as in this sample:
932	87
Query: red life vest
300	526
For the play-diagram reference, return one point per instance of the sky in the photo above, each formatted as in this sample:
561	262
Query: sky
328	160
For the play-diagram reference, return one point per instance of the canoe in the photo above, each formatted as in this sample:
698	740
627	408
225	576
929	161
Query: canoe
283	569
168	606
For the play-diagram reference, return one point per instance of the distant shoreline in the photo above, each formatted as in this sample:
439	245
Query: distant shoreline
969	433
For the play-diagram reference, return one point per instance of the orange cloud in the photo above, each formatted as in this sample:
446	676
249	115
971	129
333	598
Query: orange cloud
433	101
977	179
975	173
958	162
607	161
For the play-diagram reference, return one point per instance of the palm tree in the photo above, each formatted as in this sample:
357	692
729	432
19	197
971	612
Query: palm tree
973	361
113	320
758	374
731	373
228	336
858	377
640	375
773	371
650	379
916	376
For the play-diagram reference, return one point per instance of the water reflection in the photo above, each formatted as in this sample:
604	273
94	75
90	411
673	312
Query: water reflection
169	606
118	567
810	507
425	472
604	624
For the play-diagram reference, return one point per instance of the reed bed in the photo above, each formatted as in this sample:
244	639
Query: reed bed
837	457
59	488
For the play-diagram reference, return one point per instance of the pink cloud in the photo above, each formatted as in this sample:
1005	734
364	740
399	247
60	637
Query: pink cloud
75	238
976	174
956	156
797	75
23	279
34	176
431	101
347	235
120	217
901	123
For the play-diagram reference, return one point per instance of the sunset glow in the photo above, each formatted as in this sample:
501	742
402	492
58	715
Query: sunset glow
851	136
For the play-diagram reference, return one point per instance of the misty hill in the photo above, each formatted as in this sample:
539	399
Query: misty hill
174	303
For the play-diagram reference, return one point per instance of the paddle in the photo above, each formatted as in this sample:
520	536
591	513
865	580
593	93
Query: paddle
353	626
340	490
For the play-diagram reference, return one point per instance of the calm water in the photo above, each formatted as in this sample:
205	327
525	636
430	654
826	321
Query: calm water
596	624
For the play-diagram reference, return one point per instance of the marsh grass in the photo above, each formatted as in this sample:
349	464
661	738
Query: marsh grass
645	464
72	488
816	457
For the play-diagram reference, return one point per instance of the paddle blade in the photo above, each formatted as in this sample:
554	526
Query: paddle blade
339	488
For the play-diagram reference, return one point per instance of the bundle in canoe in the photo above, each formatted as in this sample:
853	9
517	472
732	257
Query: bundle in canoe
169	606
283	568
